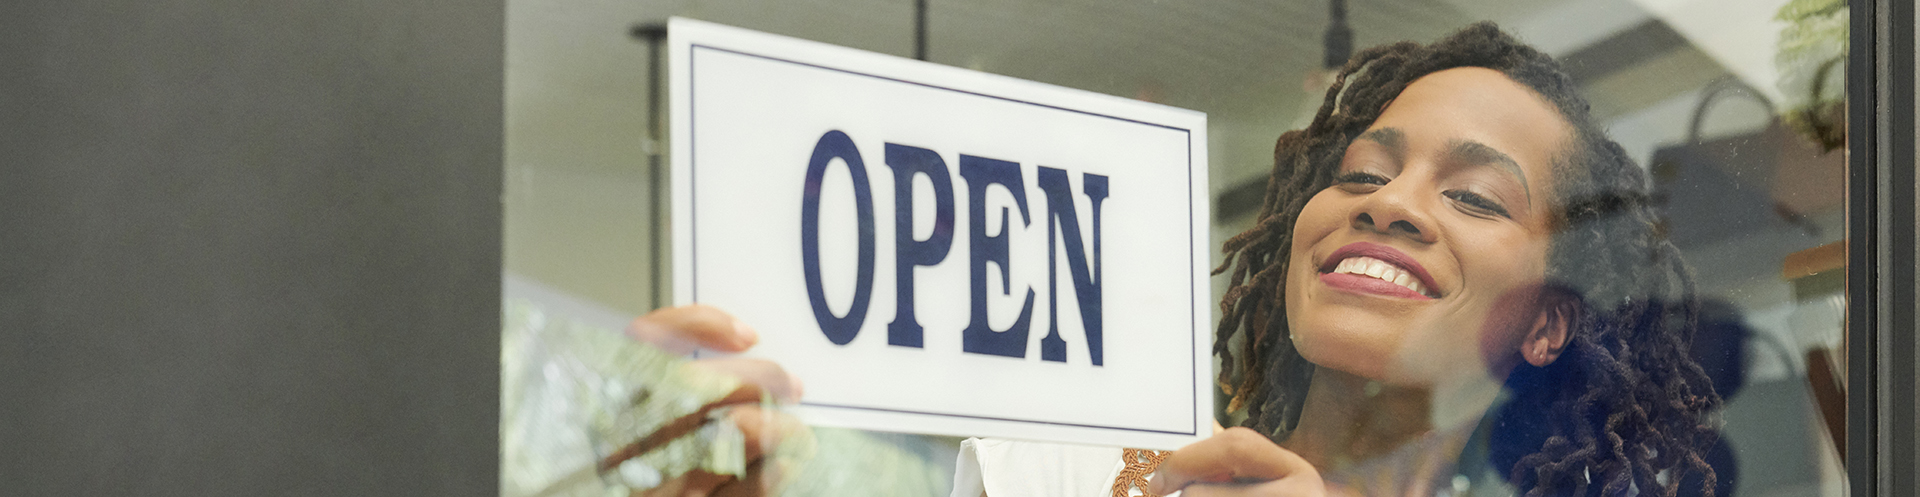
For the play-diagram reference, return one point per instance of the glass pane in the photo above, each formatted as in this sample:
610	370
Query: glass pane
1637	234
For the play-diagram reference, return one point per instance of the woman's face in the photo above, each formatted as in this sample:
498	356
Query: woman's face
1421	263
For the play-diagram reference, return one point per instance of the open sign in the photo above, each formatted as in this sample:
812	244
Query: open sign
978	337
938	250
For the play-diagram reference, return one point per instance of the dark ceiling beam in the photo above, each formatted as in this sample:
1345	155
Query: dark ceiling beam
1627	48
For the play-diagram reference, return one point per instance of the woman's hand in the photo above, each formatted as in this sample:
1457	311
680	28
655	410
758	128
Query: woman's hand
682	330
1237	462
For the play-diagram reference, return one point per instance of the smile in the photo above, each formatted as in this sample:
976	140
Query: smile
1377	269
1381	270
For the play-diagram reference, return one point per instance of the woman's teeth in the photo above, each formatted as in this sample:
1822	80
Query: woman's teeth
1376	268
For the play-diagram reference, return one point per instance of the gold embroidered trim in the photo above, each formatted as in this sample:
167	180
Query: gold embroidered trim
1140	464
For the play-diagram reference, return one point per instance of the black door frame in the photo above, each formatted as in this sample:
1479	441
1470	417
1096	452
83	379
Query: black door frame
1881	249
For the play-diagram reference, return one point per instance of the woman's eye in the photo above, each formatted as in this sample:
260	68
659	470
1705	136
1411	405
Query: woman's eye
1476	201
1359	178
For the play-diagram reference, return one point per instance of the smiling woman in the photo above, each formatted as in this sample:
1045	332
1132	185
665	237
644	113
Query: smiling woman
1431	196
1456	273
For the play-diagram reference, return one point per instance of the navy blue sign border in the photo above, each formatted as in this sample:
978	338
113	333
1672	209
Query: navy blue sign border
693	257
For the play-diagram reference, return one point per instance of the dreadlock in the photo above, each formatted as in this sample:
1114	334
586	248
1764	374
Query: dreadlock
1623	403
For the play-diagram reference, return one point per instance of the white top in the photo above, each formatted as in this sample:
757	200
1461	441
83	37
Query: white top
1016	468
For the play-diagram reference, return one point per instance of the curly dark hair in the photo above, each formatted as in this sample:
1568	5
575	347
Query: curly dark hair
1622	404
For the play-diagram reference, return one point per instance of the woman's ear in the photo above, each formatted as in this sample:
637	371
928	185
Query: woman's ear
1551	330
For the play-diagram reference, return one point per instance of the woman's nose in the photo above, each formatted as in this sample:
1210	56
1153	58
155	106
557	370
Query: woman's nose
1396	210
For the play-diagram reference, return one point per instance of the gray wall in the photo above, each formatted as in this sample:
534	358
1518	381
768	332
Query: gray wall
249	247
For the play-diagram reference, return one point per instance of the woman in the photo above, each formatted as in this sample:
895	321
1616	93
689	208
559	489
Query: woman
1454	221
1454	275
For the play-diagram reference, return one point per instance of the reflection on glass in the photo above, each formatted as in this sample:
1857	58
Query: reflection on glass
1624	277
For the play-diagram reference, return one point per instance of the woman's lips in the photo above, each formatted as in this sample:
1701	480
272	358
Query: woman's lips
1364	267
1368	284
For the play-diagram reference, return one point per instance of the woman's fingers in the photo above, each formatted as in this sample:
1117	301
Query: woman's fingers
764	429
681	330
765	374
1237	455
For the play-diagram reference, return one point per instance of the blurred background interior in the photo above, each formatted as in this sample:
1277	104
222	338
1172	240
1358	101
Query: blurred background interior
1695	90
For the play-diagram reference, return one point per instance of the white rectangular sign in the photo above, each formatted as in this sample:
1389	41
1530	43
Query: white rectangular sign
938	250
